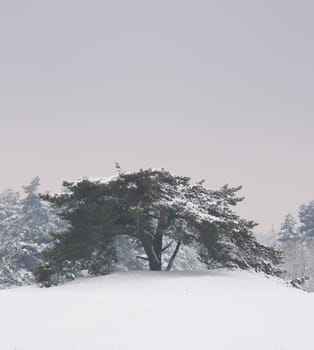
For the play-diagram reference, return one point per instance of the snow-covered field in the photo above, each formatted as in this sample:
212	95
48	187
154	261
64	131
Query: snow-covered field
153	311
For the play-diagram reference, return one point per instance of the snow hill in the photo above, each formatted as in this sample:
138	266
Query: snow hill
159	310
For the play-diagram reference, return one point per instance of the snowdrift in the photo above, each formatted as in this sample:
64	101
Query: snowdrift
146	310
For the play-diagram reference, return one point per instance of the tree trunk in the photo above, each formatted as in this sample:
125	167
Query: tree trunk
154	265
153	256
153	245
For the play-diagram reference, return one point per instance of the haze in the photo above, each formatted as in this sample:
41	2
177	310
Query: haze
215	90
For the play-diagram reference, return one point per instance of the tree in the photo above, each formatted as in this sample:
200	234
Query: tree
9	205
159	212
288	229
306	215
25	234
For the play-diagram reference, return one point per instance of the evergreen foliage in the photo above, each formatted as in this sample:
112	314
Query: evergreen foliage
9	205
158	212
306	216
289	229
297	244
25	234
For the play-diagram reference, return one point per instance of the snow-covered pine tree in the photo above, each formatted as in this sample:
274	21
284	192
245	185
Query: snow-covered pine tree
9	205
297	245
289	229
24	235
306	216
291	244
159	212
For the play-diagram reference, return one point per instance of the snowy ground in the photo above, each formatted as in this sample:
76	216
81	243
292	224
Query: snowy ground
159	311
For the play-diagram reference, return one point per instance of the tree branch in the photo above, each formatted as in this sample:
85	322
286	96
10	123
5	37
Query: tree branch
155	254
167	246
142	258
171	261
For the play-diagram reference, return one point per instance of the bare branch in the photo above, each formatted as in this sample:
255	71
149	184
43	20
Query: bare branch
155	254
167	246
171	261
142	258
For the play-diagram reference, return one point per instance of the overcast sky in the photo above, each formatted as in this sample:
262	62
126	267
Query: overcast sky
216	90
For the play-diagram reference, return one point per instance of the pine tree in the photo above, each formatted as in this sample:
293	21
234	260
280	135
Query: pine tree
9	205
297	246
306	215
24	235
159	212
288	229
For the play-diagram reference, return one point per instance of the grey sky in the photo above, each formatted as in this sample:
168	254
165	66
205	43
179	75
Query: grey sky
220	90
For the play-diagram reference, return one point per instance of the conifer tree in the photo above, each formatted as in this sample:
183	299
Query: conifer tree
24	235
9	205
306	215
159	212
288	229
